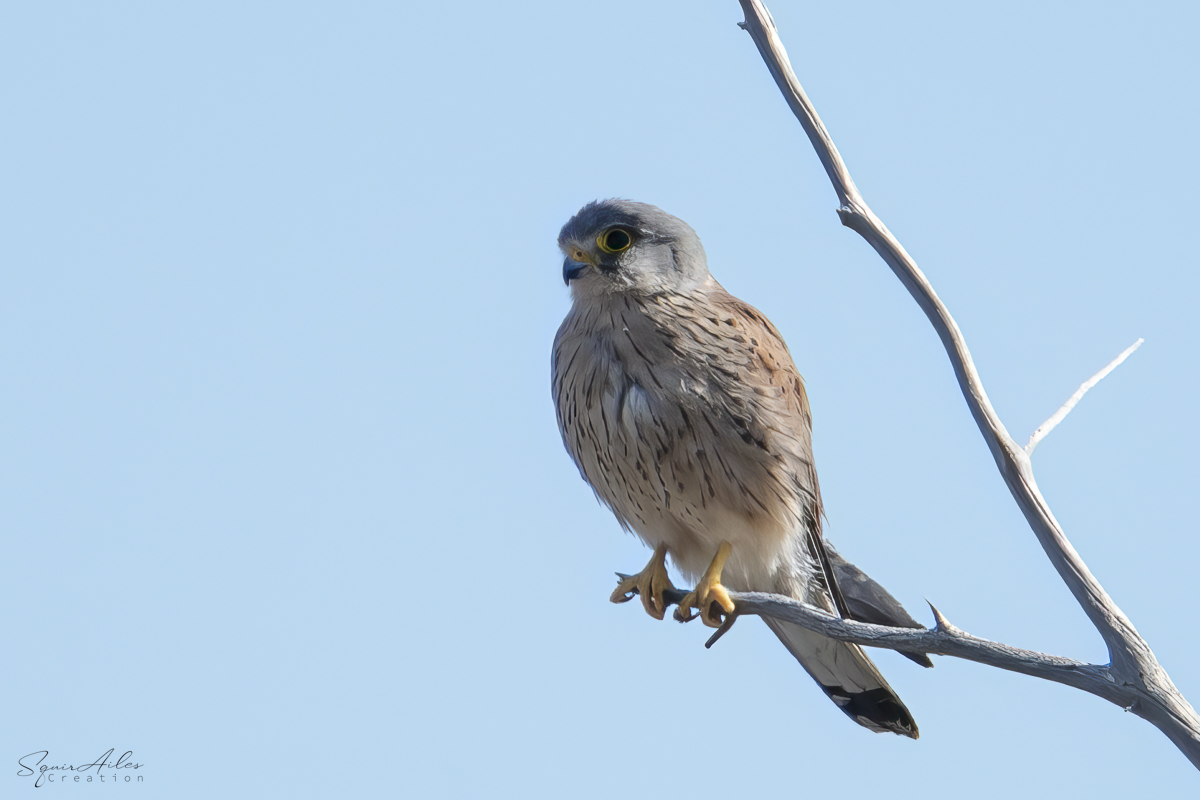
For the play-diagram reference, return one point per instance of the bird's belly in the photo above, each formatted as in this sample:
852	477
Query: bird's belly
758	550
667	483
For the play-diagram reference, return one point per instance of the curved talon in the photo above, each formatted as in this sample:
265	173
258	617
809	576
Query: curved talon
719	605
709	597
683	610
651	583
625	590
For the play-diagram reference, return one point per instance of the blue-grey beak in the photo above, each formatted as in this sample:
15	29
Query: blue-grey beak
572	269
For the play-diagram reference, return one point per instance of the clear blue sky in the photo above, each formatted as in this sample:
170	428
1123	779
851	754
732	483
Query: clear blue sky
284	507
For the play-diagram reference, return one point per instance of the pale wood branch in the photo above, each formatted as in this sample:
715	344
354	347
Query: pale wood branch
1132	664
944	640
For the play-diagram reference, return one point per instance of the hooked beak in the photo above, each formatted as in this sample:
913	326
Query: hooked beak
572	269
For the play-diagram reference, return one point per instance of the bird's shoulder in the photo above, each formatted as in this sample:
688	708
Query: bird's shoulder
765	358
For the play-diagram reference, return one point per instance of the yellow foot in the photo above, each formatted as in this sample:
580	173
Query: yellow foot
709	597
650	584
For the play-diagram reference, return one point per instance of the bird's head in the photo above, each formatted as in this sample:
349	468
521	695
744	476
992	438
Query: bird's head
614	246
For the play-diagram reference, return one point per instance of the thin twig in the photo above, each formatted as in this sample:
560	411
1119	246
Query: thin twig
1059	415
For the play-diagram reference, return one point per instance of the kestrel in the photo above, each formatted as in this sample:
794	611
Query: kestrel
681	407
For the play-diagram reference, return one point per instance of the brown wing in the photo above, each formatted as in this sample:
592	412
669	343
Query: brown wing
786	416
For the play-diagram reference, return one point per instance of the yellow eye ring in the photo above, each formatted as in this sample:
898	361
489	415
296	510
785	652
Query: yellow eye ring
614	240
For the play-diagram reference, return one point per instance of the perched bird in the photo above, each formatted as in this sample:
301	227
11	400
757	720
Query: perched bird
682	409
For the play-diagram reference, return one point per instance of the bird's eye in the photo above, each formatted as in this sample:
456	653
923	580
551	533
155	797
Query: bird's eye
614	240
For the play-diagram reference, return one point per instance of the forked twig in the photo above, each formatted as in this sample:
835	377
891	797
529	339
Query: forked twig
1137	681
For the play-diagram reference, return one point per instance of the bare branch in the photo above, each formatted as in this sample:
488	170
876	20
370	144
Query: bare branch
944	640
1059	415
1132	662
